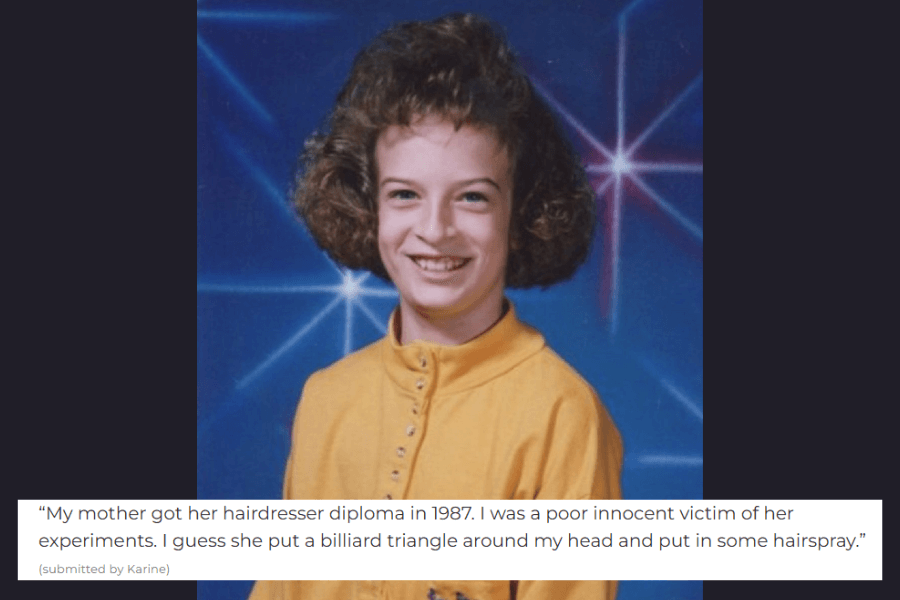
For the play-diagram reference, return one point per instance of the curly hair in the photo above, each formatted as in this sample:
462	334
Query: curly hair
458	67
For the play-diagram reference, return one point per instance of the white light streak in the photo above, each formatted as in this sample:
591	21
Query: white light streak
620	91
593	141
379	325
334	266
266	17
224	288
662	116
604	186
622	165
617	217
682	220
378	293
670	460
348	319
255	171
665	167
288	344
276	17
231	78
653	371
685	401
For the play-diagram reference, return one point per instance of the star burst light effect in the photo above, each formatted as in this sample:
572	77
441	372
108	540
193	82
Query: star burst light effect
350	291
621	166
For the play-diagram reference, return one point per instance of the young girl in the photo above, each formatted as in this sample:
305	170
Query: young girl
444	172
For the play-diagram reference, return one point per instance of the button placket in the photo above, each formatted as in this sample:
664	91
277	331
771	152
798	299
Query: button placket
420	384
421	364
395	472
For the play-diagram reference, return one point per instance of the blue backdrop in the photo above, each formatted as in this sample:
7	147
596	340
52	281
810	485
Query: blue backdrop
625	79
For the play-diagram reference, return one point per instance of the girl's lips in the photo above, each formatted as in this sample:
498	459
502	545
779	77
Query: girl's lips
439	263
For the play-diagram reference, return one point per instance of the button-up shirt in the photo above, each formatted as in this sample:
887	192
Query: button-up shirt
499	417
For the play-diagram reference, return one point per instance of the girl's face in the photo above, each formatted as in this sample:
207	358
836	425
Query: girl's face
444	205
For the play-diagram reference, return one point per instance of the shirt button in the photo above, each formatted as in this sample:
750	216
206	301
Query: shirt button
420	383
401	451
415	409
423	361
395	475
388	497
410	430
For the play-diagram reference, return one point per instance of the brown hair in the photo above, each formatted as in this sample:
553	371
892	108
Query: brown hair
461	68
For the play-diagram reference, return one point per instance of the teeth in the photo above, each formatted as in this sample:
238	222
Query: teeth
439	264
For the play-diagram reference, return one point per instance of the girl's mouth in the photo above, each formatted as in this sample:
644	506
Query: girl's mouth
439	263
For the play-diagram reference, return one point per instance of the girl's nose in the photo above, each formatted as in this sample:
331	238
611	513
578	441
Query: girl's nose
435	221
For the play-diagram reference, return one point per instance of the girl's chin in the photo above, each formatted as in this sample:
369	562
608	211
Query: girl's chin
444	305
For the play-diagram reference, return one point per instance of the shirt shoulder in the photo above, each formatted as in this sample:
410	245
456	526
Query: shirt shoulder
552	389
358	369
331	390
579	447
556	379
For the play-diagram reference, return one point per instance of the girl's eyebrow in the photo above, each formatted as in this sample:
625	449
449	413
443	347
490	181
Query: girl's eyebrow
487	180
387	180
465	183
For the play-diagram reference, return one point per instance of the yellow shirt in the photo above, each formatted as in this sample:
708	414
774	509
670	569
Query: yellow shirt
499	417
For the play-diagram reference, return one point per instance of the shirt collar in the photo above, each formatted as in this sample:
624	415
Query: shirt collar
424	366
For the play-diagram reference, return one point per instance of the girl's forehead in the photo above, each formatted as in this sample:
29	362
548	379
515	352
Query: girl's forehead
400	145
436	129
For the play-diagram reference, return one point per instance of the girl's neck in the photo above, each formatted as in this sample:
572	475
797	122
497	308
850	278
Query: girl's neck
447	329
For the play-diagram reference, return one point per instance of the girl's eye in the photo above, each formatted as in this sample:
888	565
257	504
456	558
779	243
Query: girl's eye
474	197
403	195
